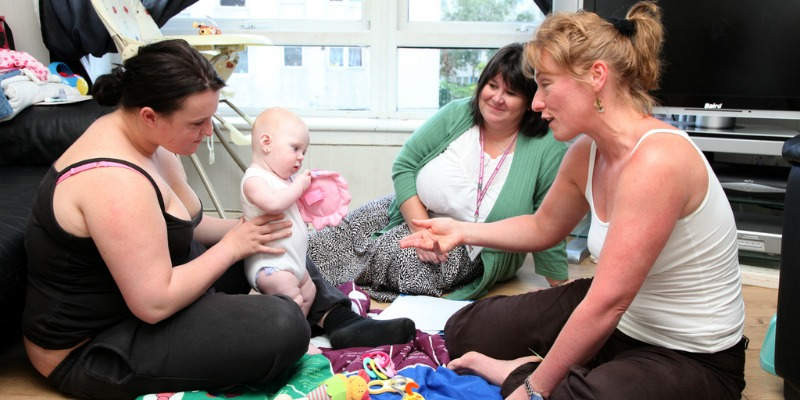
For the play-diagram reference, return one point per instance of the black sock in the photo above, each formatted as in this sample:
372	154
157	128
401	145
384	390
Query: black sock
345	328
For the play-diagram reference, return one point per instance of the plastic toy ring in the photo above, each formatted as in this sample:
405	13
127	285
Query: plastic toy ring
377	369
397	385
371	373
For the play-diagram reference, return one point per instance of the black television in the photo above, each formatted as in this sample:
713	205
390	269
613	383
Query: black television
725	59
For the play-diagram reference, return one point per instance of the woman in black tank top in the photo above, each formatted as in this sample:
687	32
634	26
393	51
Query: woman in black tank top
131	290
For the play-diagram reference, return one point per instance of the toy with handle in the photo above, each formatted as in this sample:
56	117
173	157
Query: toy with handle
341	387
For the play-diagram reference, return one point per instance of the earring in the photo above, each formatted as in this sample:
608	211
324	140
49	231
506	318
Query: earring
598	105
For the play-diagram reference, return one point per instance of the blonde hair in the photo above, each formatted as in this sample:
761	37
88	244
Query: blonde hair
576	40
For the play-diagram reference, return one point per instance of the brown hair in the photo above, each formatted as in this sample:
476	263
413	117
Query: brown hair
508	62
631	48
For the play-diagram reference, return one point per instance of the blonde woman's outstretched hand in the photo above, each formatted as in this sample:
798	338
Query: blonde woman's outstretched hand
439	235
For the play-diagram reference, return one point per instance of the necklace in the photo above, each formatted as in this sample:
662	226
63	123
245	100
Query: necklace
481	188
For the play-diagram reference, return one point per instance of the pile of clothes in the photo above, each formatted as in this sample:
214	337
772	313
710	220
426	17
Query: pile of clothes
24	81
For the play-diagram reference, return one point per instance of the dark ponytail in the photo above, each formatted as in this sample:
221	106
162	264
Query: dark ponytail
160	76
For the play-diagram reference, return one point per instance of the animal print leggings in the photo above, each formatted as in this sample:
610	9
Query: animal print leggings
350	252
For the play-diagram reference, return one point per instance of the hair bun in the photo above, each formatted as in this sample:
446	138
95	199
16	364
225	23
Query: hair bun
107	90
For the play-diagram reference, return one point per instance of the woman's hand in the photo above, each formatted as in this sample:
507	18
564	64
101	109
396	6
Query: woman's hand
253	236
519	394
438	235
431	256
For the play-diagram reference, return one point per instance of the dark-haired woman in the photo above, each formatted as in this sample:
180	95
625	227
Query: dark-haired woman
478	159
128	281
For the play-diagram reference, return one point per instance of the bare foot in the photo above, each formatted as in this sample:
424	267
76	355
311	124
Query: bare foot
493	370
313	350
556	283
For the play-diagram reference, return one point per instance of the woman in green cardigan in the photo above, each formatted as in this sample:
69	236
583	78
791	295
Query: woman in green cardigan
483	158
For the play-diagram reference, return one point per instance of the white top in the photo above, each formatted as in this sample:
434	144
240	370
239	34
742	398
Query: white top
448	184
691	299
296	245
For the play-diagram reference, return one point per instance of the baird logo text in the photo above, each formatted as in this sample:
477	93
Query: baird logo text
713	106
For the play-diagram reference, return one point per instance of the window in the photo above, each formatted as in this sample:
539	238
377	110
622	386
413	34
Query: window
237	3
367	58
354	57
241	66
293	56
336	57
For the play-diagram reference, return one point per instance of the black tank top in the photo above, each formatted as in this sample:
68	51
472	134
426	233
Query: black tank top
71	295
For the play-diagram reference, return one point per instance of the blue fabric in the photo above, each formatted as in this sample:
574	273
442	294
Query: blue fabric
444	384
9	74
5	106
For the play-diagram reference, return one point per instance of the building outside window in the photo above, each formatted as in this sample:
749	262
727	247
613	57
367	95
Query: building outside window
293	56
336	57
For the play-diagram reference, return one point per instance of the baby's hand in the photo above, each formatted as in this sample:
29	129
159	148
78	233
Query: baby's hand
303	179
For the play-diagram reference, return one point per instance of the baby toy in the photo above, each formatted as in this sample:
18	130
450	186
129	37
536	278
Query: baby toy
341	387
378	365
325	202
203	29
62	70
397	384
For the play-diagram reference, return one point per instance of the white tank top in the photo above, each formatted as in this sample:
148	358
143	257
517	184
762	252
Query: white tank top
296	245
691	299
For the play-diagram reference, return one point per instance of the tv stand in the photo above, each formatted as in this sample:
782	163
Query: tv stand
748	163
715	122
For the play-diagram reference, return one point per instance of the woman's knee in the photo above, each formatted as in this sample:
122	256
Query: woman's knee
284	321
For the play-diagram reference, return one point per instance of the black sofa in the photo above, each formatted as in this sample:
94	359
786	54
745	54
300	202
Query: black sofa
787	332
29	143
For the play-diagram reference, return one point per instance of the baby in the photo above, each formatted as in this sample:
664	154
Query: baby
279	142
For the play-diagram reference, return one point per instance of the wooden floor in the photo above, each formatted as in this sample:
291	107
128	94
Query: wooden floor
19	381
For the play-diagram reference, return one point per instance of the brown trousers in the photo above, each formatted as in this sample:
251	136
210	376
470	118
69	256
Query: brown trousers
507	327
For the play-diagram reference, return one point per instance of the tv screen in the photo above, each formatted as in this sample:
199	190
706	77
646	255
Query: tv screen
739	57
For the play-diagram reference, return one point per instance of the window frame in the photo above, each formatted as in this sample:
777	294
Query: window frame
382	30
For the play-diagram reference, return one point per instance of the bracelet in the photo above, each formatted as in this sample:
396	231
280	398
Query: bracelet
534	395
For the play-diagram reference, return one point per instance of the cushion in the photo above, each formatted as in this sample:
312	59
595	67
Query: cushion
17	188
39	134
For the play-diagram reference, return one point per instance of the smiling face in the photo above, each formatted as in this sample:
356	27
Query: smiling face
286	148
499	104
562	99
183	130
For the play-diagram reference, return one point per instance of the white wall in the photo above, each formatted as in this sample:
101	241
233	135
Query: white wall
24	22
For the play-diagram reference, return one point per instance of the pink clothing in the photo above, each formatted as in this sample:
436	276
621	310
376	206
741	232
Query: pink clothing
11	59
88	166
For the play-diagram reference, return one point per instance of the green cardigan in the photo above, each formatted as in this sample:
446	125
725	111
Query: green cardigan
533	169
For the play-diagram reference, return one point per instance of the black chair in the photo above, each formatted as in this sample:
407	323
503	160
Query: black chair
787	333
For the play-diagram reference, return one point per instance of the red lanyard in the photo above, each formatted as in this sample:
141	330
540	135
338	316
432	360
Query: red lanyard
483	189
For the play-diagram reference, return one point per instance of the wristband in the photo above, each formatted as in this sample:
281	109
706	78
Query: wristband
532	394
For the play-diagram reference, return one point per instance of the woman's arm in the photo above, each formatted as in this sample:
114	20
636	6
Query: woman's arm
211	229
427	141
650	196
125	221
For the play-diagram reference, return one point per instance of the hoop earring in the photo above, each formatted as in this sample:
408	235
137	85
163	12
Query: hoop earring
598	105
